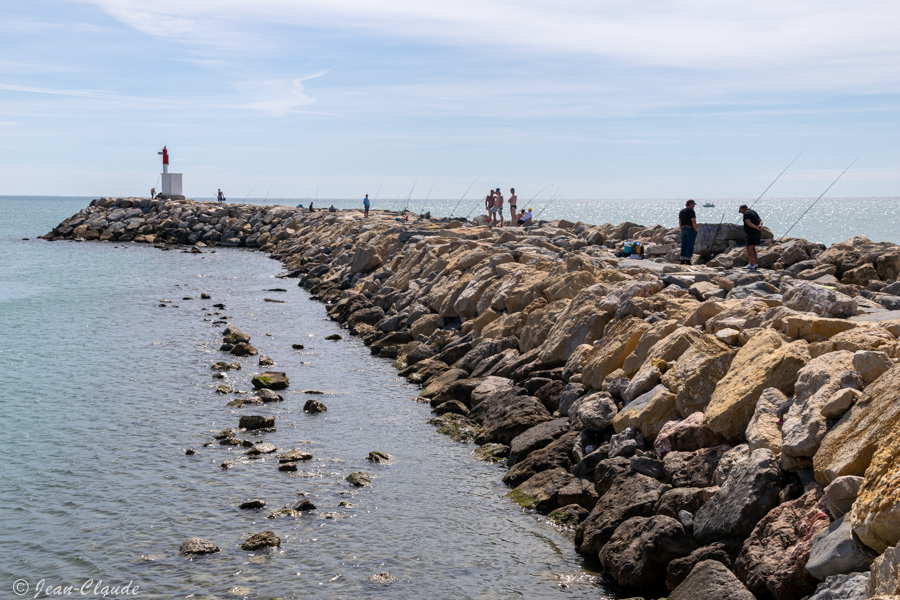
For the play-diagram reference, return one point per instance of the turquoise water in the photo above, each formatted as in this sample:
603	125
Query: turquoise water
105	389
830	220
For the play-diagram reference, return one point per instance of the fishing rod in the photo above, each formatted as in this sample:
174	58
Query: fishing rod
549	202
722	220
409	195
428	195
250	192
463	196
267	192
817	199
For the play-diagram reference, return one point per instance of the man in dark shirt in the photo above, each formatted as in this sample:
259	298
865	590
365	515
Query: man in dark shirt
687	220
753	228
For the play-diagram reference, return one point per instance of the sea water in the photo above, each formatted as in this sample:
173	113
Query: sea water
105	364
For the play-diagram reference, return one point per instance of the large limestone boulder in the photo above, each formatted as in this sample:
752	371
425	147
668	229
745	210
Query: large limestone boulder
581	322
823	301
711	580
851	586
848	448
696	373
763	431
817	382
773	560
875	516
688	435
884	579
611	351
748	494
765	361
834	551
538	324
365	259
860	250
814	328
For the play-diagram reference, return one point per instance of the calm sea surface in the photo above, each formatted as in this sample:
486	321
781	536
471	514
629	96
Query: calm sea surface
104	390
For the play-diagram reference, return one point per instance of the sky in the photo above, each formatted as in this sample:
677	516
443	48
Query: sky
337	98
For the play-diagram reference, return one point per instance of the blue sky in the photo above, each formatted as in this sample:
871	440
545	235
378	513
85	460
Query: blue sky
602	99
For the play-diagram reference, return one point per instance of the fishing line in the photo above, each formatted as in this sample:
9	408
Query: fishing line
463	196
549	202
817	199
409	195
427	196
250	192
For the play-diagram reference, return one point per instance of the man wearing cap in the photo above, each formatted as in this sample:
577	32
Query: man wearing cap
687	220
753	228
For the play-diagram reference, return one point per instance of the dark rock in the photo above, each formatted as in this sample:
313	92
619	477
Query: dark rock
641	548
492	452
587	442
289	467
297	346
503	417
578	491
482	350
725	551
569	516
190	452
359	479
243	349
586	466
694	469
224	366
378	457
852	586
626	443
458	427
630	495
267	395
197	545
748	494
835	551
258	449
252	422
265	361
608	470
304	505
648	466
540	491
554	455
259	541
536	438
233	335
569	395
294	456
687	498
252	504
273	380
711	580
451	406
334	337
314	406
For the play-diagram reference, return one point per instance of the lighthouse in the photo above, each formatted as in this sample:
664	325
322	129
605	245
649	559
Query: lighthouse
171	182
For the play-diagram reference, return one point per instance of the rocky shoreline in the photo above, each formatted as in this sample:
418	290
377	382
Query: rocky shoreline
708	431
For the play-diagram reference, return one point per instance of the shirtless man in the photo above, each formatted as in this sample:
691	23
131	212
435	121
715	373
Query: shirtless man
489	207
513	219
498	206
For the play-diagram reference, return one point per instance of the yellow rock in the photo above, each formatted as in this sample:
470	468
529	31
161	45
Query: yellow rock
580	323
610	352
765	361
848	448
813	328
875	516
648	412
539	323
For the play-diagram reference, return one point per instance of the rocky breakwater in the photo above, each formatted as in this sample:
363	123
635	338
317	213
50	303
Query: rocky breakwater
709	432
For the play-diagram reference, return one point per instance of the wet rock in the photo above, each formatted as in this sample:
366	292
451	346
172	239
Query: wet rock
630	495
289	467
540	491
304	505
535	438
224	366
294	456
223	389
458	427
195	545
711	580
641	548
773	560
378	457
233	335
253	422
569	516
267	395
557	454
314	406
243	349
265	361
334	337
359	479
252	504
258	449
260	541
273	380
748	494
492	452
190	452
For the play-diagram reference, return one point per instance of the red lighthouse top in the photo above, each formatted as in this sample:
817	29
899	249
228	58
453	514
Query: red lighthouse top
165	155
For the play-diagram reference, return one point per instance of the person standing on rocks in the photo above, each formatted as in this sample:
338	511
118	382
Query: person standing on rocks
753	228
498	207
221	196
366	205
513	218
687	220
489	207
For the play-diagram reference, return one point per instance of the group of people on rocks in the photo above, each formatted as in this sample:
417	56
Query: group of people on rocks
493	204
687	222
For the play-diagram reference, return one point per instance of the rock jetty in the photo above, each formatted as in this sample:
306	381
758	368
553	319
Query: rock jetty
711	432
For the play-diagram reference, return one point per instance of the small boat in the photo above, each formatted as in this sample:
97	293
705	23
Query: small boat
708	205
